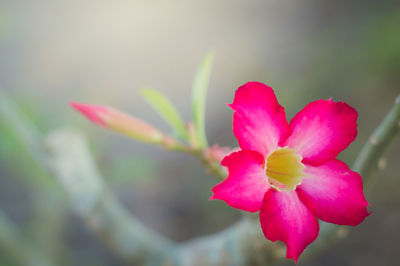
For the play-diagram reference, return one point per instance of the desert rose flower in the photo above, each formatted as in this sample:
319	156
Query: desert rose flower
288	172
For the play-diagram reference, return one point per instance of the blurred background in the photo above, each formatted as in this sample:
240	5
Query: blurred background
103	52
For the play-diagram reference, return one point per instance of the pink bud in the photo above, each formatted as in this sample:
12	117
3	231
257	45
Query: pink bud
120	122
95	113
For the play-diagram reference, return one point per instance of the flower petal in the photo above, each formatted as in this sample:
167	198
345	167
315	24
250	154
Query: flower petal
322	130
259	121
334	193
247	182
284	217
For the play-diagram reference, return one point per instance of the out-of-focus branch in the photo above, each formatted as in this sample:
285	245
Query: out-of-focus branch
47	203
371	154
20	249
72	165
66	156
243	243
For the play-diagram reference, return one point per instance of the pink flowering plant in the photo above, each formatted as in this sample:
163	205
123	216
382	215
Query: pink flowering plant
287	172
296	196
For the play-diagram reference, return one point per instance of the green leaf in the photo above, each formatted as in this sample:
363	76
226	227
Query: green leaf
167	111
199	95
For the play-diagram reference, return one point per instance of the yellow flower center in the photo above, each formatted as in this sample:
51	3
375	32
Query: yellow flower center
284	169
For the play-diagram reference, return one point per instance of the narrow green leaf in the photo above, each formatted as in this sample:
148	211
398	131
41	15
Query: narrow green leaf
199	95
167	111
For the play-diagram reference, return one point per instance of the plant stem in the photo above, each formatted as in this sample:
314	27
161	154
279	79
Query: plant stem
378	143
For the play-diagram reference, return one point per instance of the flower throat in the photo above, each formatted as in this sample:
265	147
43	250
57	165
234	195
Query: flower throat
284	169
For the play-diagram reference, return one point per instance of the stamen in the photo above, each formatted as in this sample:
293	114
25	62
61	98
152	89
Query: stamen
284	169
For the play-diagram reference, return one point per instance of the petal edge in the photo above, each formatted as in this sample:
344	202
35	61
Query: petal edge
246	184
322	130
259	121
334	193
284	217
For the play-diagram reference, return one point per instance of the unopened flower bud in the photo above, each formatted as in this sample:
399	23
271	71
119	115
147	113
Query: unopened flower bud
120	122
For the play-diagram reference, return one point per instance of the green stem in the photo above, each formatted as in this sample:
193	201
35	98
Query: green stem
213	167
378	143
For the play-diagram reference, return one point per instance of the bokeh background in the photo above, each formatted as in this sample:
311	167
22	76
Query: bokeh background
103	52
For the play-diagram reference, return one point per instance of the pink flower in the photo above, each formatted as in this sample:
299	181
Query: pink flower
288	172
